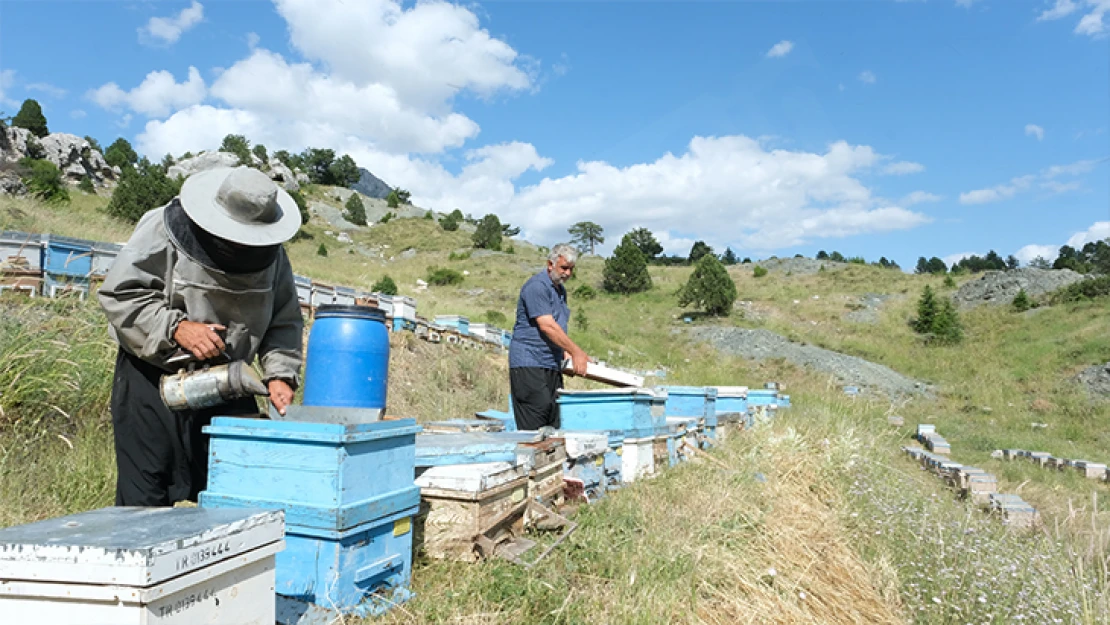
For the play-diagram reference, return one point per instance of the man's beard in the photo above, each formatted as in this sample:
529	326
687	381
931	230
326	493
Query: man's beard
556	279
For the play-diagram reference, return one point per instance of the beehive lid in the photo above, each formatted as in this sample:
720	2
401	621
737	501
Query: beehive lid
602	392
732	391
585	444
470	478
133	546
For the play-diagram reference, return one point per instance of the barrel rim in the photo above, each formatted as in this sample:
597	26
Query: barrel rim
350	310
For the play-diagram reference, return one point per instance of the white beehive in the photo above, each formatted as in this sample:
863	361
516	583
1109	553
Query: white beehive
139	566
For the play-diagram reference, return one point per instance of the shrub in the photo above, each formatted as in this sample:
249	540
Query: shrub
441	276
699	249
709	287
429	216
302	205
459	256
86	185
938	321
44	181
449	223
35	151
1082	291
585	292
496	317
488	234
386	217
322	250
385	286
758	271
94	144
141	189
626	270
949	282
356	211
581	321
121	154
393	200
30	117
1021	302
512	250
259	150
239	146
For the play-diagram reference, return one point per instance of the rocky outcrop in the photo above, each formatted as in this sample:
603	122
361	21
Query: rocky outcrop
10	184
71	154
201	162
1000	287
282	175
370	185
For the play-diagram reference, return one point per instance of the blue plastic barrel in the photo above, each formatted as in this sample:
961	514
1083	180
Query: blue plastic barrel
347	365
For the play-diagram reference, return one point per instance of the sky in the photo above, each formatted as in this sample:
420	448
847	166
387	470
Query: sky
876	128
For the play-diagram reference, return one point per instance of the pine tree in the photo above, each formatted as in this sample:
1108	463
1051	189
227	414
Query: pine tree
322	250
356	211
140	189
709	288
488	234
729	257
586	234
946	326
626	270
1021	301
926	311
30	117
700	248
121	154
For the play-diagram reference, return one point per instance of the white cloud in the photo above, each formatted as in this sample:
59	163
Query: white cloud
1046	179
252	40
157	96
78	114
1062	8
7	79
47	88
167	30
1098	231
920	197
1033	130
867	76
1090	24
781	48
1029	252
901	168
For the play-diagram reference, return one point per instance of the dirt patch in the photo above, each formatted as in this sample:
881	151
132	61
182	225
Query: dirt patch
764	344
1000	287
866	308
1096	380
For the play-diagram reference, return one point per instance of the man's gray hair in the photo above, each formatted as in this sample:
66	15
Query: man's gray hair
568	252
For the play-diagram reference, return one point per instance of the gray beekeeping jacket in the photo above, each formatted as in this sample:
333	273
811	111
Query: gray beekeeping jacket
153	285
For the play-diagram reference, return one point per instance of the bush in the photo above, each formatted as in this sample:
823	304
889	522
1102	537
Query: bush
449	223
356	211
580	319
393	200
1082	291
440	276
386	217
86	185
302	205
496	317
459	256
626	270
488	234
709	287
322	250
44	181
141	189
429	216
585	292
121	154
385	286
35	151
949	282
1021	302
259	150
239	146
512	250
758	271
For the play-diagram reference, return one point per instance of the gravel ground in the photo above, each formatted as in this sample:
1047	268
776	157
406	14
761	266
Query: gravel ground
1096	379
798	266
763	344
1000	287
870	304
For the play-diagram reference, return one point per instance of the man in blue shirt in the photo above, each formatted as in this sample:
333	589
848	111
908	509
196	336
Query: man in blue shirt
540	343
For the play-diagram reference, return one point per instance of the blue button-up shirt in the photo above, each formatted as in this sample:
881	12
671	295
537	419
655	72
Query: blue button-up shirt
530	347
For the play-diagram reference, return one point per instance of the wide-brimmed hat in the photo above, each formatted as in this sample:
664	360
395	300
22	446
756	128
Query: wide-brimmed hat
241	205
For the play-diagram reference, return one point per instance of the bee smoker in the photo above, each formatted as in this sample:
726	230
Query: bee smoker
211	385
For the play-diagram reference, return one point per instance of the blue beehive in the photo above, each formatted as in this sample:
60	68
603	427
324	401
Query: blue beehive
434	450
762	397
628	410
585	461
458	322
691	401
732	400
348	495
506	418
63	256
506	338
612	467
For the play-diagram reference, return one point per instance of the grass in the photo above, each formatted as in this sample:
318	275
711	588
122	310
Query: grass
817	519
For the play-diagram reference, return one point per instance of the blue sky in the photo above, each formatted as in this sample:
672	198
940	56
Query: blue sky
871	127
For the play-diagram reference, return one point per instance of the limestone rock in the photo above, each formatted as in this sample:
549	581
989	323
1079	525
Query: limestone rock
202	162
10	184
71	154
282	175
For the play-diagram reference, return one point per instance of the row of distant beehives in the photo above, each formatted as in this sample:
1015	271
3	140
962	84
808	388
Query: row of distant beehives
971	482
53	266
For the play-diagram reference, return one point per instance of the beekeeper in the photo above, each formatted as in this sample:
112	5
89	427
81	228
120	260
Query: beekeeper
207	275
540	343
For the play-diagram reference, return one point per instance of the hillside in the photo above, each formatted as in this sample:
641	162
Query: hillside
816	519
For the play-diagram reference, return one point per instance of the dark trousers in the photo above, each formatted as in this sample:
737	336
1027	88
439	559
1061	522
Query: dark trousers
534	397
161	455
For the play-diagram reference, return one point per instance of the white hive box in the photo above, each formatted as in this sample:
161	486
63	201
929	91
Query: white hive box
157	566
605	375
